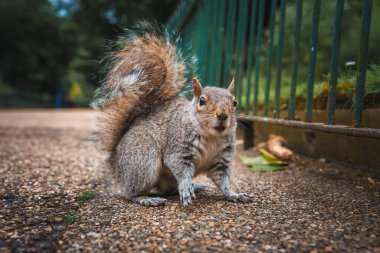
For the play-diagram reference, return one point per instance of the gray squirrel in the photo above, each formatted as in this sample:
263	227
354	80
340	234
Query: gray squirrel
157	140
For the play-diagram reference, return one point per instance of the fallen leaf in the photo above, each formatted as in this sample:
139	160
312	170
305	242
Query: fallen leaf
265	162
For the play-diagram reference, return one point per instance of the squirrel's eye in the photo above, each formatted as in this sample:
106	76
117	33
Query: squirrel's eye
202	101
234	103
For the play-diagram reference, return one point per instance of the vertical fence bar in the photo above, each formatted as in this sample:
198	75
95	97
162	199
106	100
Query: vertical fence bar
219	41
313	56
293	82
260	24
251	42
215	13
240	49
202	46
277	93
237	48
362	62
195	41
229	46
208	39
179	15
270	53
334	61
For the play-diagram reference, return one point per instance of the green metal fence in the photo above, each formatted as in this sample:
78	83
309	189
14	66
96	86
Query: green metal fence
227	37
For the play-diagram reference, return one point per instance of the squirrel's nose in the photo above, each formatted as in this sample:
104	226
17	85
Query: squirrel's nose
222	117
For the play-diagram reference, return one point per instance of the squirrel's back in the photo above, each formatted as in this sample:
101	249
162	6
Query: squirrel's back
147	70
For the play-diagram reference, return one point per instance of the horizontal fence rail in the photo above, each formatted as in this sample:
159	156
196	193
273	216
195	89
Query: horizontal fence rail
244	39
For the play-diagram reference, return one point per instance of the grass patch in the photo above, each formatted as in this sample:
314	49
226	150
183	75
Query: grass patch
86	196
69	218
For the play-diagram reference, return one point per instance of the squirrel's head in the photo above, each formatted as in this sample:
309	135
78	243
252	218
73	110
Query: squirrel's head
215	108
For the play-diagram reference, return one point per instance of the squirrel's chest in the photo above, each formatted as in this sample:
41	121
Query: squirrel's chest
208	153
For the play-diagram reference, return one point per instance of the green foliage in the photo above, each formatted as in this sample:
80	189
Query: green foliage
35	49
345	90
373	80
348	53
54	45
97	23
70	218
86	196
5	88
349	39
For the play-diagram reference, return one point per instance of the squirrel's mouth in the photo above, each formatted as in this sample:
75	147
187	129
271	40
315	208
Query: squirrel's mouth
220	128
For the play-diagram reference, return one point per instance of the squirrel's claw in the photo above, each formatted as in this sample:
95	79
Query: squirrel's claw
240	197
186	194
198	187
154	201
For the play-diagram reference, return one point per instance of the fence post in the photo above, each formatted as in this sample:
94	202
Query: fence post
277	93
293	82
260	24
362	64
219	41
270	52
229	44
313	57
334	62
251	46
240	49
248	133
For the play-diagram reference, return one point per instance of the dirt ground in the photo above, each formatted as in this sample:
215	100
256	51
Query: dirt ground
55	196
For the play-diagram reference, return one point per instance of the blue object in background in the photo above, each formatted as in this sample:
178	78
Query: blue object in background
59	99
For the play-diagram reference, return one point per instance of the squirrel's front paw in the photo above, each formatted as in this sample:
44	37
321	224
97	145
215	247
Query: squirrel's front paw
240	197
186	193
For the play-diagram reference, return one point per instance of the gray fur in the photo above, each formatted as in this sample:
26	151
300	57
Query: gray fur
199	187
153	201
158	141
170	145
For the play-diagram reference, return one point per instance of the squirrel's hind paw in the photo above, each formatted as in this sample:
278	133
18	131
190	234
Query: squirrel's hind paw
153	201
198	187
240	197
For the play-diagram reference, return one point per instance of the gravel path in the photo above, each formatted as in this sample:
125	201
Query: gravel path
55	197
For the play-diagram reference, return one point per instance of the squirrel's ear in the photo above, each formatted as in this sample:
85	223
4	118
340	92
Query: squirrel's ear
232	86
197	87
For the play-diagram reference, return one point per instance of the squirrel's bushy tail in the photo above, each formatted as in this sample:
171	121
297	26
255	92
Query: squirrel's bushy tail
146	70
